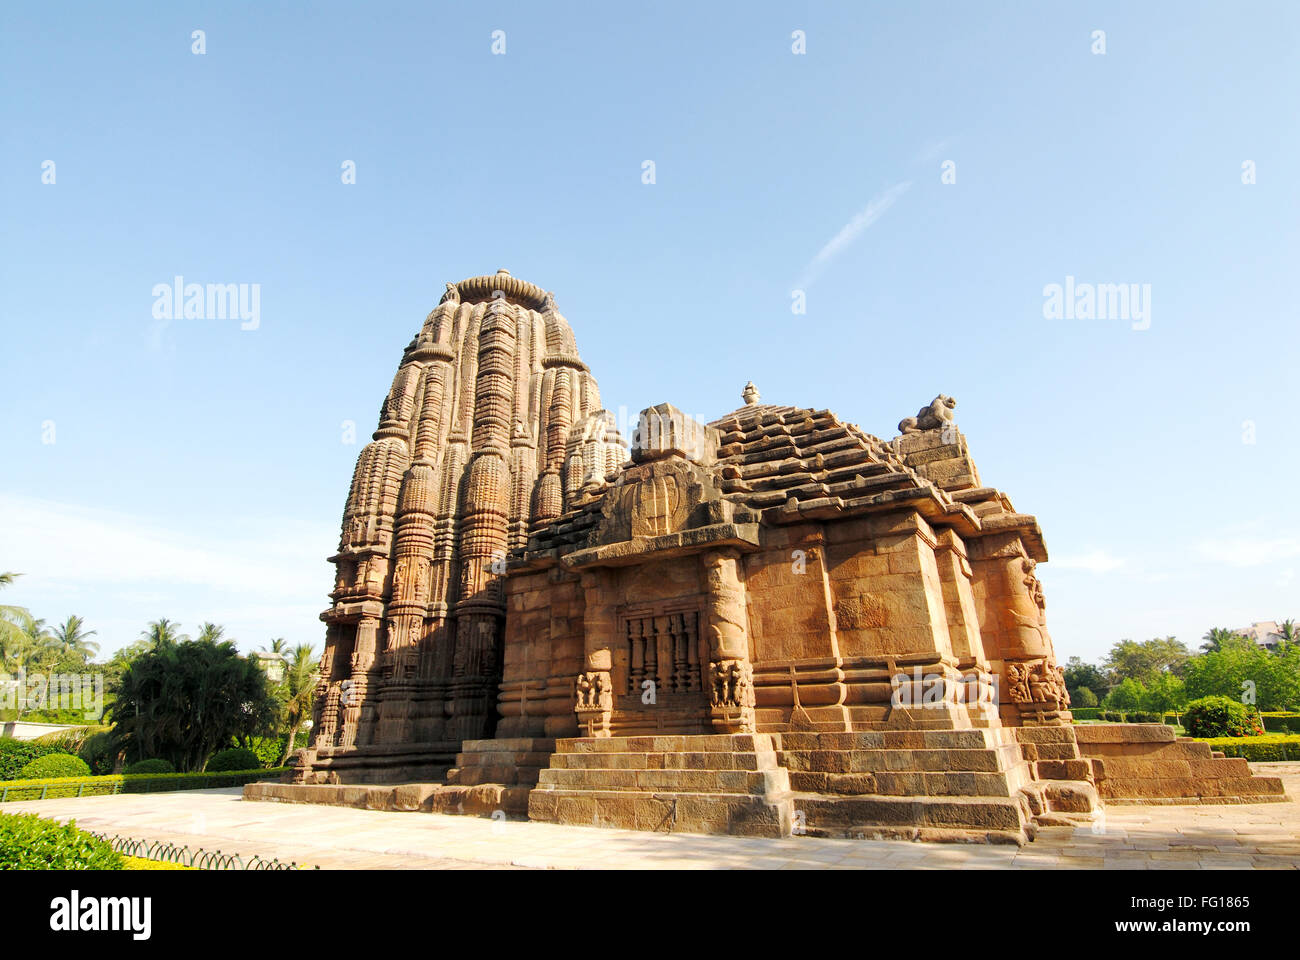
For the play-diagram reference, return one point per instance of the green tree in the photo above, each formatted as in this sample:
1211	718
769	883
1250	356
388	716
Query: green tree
1215	639
73	639
1079	674
1129	695
299	692
11	621
32	644
1083	697
181	701
1129	659
1241	670
163	632
211	631
1166	693
278	645
1288	631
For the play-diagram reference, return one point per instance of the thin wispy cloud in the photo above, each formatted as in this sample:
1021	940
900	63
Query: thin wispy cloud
932	150
851	231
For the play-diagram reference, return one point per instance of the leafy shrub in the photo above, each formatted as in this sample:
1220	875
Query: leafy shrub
1112	716
1270	747
1084	697
156	765
100	751
1143	716
55	766
16	754
236	758
28	842
269	750
1219	717
1086	713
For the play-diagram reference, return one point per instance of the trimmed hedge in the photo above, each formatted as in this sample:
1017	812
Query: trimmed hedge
1143	716
1086	713
1271	747
55	766
123	783
29	842
1281	722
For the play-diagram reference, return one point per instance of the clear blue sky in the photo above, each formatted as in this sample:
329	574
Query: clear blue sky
198	470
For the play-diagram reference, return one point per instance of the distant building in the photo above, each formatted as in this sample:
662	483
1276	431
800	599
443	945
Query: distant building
273	664
1266	633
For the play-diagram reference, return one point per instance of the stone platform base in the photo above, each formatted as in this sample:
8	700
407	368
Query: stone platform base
1144	763
484	800
984	784
490	778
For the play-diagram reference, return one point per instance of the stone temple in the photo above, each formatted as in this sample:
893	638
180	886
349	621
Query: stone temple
771	622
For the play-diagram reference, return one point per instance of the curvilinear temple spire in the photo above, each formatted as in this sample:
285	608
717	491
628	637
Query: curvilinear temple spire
473	446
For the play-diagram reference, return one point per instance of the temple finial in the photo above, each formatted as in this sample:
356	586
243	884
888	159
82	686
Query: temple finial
750	394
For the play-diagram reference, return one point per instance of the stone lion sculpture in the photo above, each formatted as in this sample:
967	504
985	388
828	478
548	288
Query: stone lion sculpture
930	417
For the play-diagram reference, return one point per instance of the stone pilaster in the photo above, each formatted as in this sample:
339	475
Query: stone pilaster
594	688
1009	597
731	674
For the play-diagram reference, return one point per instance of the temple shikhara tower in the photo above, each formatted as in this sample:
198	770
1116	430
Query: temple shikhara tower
767	623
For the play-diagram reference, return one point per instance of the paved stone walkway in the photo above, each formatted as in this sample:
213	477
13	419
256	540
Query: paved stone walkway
1260	836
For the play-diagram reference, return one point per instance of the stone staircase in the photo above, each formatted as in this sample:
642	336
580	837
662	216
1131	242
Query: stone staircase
957	785
511	762
718	784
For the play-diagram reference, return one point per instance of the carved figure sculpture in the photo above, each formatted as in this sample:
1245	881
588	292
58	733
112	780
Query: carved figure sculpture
1018	682
930	417
732	683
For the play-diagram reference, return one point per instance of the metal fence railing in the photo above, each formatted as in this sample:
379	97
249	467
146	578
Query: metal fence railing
199	859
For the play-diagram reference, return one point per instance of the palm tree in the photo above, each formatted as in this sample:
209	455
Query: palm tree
11	619
1288	631
211	631
30	643
278	645
300	690
73	638
1216	638
163	632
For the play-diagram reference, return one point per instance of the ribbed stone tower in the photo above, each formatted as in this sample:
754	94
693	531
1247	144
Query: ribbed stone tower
492	424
